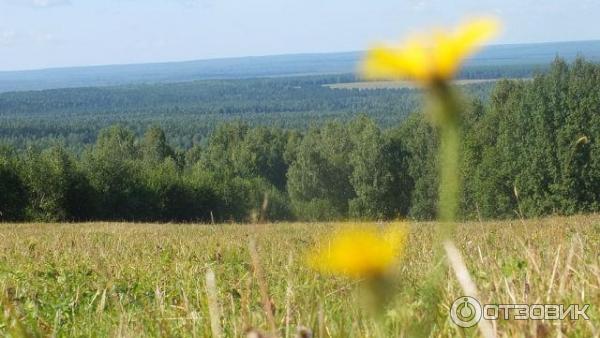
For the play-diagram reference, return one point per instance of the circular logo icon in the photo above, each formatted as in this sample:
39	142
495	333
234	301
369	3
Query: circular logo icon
466	311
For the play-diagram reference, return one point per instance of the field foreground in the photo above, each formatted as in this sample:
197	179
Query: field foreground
121	279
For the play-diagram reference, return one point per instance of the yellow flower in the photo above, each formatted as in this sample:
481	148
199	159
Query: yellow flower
429	59
360	252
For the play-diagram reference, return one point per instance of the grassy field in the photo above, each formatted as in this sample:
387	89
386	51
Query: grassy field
130	280
397	84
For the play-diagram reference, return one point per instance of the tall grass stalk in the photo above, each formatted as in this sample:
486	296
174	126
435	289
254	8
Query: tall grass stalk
262	286
213	304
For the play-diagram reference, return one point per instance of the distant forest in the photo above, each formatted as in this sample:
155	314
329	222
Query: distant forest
523	56
188	112
530	147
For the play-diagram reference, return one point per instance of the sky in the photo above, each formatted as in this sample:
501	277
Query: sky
58	33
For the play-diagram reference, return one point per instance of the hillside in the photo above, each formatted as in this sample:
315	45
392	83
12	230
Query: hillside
272	66
530	149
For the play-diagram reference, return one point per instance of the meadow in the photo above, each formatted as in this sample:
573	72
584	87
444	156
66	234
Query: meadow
131	280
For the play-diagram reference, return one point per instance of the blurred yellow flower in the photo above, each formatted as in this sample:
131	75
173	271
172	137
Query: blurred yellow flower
430	59
361	251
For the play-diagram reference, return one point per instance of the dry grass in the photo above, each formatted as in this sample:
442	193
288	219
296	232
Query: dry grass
129	280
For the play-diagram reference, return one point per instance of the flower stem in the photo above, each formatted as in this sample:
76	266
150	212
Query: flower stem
449	174
446	111
446	119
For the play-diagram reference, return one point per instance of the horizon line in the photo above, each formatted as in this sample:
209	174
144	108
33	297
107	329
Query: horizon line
25	70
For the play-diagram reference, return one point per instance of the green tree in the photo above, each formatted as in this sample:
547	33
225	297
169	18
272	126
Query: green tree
114	168
319	178
379	174
420	142
58	191
154	146
13	196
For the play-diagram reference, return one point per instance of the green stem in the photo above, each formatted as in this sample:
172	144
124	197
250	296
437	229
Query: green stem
446	118
446	112
449	174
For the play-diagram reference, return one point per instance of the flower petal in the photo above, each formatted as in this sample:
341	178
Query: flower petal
387	63
431	58
360	252
452	50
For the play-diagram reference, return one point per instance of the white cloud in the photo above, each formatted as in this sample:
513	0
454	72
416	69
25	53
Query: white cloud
44	38
37	3
197	3
7	37
11	38
49	3
418	5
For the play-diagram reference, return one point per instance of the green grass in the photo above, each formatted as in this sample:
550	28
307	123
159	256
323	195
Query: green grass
122	279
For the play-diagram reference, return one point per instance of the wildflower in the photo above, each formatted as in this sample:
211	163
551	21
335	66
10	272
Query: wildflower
360	252
430	59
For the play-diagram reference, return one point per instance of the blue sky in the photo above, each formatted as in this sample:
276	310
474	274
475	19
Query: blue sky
53	33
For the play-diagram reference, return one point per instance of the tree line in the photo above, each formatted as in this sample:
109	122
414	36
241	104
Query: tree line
530	149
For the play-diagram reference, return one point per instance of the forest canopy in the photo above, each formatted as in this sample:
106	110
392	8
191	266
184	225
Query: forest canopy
530	148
